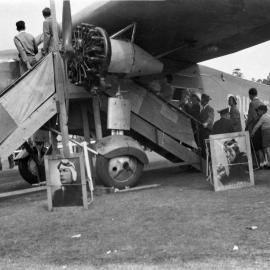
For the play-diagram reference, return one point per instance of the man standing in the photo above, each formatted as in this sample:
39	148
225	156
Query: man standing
254	104
207	119
26	46
252	119
47	31
224	124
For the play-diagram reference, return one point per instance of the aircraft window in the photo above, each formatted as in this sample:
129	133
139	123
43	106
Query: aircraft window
178	93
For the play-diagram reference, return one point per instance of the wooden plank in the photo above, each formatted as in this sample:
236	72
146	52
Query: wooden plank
28	127
22	192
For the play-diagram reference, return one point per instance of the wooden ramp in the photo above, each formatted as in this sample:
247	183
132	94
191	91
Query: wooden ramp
26	105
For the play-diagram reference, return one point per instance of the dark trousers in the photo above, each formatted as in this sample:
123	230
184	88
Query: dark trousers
203	135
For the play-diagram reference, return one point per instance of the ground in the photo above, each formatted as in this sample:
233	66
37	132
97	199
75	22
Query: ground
183	224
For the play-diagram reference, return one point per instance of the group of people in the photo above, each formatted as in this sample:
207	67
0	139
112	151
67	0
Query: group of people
203	114
257	122
27	46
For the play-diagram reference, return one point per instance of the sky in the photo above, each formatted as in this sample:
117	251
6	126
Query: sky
253	62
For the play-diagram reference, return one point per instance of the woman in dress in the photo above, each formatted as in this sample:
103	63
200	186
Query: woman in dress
234	114
264	124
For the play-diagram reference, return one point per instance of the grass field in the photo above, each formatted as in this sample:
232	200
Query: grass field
182	224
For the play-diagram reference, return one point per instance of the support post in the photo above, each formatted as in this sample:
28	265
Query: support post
96	109
60	83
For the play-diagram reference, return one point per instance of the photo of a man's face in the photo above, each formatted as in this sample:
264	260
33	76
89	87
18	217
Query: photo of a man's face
65	182
65	176
232	161
231	149
67	172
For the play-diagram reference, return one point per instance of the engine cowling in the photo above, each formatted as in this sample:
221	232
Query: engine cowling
96	54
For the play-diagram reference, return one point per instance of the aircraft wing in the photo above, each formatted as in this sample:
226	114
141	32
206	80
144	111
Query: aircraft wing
185	30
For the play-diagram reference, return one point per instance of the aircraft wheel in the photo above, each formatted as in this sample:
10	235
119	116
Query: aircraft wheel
29	170
119	172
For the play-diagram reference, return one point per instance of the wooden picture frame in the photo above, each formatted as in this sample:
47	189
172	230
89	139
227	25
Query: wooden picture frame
61	192
231	160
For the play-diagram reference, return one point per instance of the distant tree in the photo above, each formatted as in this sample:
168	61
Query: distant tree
265	81
237	73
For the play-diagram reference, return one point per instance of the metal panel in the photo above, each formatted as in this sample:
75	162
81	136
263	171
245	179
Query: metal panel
118	114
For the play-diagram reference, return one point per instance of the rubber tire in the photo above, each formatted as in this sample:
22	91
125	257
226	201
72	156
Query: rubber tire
26	174
102	165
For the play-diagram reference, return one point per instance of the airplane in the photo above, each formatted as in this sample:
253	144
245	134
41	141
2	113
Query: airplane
119	56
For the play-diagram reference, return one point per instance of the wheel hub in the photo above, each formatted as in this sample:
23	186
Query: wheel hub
32	166
121	169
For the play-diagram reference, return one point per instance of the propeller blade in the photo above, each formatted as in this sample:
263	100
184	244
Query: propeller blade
67	27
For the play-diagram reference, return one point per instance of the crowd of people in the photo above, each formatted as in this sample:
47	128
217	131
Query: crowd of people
257	122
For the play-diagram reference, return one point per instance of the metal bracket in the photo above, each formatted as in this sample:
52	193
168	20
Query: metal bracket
133	25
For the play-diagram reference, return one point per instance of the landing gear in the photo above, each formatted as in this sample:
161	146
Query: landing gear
120	161
30	171
119	172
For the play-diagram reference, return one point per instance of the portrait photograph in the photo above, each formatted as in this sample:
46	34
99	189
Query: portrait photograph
65	181
231	160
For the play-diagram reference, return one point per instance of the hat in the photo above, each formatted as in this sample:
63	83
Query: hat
234	98
65	163
196	95
223	111
230	143
206	97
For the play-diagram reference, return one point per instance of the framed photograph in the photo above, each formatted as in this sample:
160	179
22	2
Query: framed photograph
66	184
231	160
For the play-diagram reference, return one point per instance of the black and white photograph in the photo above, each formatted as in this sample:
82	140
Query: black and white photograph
155	151
64	181
231	160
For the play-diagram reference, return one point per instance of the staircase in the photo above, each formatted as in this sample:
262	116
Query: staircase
161	126
26	105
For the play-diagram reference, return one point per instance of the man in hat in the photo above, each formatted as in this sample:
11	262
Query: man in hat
26	46
207	119
224	124
70	193
237	164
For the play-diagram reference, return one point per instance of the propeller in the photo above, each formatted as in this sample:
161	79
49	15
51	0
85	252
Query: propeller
67	28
